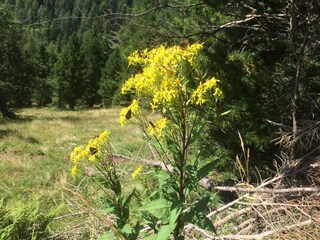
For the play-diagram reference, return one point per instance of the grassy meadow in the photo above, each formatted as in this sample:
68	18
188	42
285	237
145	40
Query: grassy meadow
34	148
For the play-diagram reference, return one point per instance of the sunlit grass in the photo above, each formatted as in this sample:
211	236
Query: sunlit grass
34	148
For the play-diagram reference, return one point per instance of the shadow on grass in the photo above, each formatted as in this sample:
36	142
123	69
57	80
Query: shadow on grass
9	132
66	118
23	119
16	119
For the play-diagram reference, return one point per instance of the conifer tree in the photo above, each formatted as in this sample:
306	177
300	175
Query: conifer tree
67	74
93	52
112	76
10	59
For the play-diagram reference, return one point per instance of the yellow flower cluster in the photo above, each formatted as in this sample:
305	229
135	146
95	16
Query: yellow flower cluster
91	152
197	96
136	172
161	76
165	77
129	111
156	129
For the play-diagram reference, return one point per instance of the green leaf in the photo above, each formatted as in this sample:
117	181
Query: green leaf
165	232
196	215
158	208
163	177
127	201
127	229
207	224
206	169
174	215
151	237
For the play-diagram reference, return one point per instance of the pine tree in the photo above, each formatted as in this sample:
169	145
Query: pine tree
112	76
93	52
67	74
11	60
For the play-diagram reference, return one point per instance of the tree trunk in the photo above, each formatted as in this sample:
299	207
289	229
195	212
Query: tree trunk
3	106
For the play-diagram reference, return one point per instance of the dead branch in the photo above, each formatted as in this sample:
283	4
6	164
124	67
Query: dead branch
167	6
231	216
124	15
268	233
268	190
244	224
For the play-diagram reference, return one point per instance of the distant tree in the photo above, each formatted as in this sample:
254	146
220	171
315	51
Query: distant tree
94	54
112	75
11	59
42	91
68	81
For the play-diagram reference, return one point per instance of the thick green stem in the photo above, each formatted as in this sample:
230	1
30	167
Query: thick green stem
181	168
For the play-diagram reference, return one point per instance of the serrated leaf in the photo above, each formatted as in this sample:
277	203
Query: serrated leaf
165	232
174	215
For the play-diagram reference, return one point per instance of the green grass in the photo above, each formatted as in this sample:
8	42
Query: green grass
34	148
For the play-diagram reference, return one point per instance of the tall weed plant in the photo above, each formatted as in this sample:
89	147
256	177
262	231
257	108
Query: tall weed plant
172	82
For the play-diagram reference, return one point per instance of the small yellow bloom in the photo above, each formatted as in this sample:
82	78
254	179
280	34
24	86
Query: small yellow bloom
128	112
198	95
104	135
76	154
74	171
91	152
217	92
156	129
136	172
92	158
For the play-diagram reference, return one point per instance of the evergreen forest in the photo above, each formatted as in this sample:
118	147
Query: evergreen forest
73	56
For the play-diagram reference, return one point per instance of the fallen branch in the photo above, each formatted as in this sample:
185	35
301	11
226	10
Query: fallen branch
267	190
267	233
234	215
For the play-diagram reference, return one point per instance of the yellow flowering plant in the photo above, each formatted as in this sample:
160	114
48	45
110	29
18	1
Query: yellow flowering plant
97	153
172	83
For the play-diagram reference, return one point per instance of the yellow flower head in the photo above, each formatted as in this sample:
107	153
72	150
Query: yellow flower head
217	92
76	154
198	95
136	172
90	152
74	171
104	136
160	77
129	111
156	129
